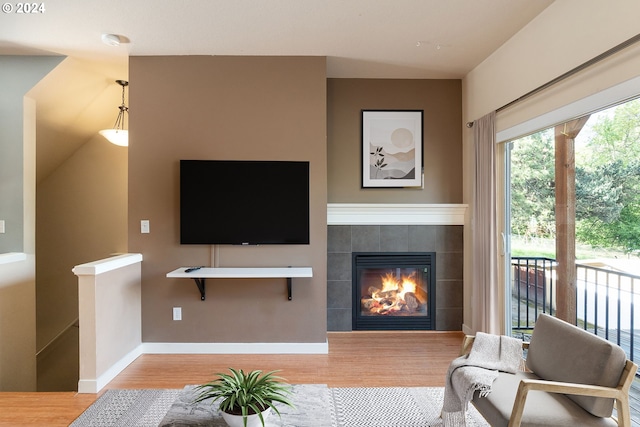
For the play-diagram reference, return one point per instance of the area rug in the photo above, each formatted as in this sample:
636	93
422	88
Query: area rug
316	406
312	409
393	407
128	408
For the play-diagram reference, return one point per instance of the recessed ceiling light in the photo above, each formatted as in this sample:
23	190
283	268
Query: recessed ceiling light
435	45
111	39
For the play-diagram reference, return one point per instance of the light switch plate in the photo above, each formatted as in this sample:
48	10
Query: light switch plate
177	313
2	226
144	226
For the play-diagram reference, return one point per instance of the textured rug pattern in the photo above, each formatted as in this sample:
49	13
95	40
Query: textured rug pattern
316	406
393	407
128	408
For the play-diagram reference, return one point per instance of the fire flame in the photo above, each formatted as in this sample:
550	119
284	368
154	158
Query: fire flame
394	295
403	285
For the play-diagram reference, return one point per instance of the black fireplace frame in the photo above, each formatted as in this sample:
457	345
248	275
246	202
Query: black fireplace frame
408	260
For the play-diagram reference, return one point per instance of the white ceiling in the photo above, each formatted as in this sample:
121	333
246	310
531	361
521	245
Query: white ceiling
423	39
360	38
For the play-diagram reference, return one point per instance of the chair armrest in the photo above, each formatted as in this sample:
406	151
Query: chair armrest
619	393
568	388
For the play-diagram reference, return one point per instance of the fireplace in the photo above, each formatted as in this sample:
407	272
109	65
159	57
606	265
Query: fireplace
393	291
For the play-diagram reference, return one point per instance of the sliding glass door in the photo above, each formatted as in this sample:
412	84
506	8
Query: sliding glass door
572	199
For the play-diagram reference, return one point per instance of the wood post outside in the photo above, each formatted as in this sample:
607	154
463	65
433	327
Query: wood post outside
565	185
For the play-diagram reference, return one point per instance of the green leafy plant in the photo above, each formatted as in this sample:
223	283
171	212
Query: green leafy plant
246	393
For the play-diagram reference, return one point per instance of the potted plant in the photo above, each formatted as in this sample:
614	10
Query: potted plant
246	397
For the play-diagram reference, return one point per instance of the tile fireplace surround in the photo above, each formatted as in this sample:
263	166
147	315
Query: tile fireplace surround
446	240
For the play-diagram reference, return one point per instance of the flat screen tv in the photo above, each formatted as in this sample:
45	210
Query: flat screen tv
244	202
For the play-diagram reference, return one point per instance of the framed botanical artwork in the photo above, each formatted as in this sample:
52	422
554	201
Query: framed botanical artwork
392	143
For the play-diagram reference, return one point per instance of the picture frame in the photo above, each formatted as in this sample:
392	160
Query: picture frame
392	147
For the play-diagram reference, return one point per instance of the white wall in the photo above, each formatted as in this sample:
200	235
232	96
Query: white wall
110	318
17	279
565	35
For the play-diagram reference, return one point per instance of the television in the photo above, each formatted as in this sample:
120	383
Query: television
244	202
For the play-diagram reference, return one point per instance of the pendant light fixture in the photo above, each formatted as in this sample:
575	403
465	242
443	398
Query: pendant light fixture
119	135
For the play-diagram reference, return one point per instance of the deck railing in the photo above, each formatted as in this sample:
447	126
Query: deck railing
532	290
606	299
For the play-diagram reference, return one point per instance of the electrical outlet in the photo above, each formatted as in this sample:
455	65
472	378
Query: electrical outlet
144	226
177	313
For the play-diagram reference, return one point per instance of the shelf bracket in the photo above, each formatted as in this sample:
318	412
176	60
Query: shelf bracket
289	287
200	284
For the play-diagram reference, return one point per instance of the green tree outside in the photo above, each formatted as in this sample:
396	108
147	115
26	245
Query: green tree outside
607	182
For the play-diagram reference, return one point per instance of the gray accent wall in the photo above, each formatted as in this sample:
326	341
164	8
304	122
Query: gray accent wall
18	75
445	240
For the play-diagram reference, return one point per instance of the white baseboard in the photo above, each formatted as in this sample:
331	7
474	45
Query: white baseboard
95	385
236	348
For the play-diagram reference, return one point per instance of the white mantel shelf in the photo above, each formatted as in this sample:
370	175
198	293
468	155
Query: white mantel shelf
395	214
203	273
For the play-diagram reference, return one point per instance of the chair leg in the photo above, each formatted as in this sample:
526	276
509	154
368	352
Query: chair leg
624	413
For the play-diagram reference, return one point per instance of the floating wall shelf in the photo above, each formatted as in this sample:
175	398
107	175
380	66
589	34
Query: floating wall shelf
201	274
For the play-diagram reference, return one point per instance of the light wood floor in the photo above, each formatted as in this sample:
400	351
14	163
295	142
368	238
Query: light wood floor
355	359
